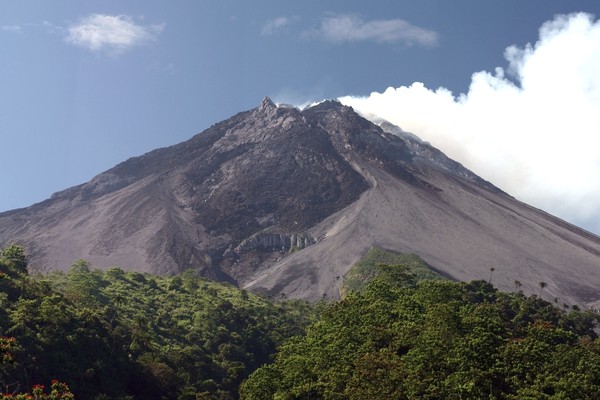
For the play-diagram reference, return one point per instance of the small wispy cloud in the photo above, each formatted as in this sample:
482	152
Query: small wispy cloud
113	34
52	28
11	28
276	24
345	28
29	26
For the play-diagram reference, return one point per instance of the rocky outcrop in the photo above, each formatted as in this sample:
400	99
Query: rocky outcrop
275	242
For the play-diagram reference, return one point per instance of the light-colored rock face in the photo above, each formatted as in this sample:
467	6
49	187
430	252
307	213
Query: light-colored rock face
285	201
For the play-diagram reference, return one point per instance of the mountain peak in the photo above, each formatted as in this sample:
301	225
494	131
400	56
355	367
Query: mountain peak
285	201
267	104
326	105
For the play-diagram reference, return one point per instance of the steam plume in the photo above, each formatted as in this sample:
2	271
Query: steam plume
532	128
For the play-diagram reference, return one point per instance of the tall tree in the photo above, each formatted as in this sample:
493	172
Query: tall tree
13	257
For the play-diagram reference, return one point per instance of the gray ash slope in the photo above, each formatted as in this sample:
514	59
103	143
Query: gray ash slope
284	201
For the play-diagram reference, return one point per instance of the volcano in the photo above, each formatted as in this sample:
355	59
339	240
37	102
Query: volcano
284	201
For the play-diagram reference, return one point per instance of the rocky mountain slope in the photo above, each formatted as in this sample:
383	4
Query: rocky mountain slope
284	201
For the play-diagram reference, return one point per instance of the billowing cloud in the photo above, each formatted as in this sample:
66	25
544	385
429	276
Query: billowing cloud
113	34
274	25
352	28
535	135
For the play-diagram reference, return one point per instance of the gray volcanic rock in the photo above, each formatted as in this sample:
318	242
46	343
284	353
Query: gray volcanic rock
284	201
191	205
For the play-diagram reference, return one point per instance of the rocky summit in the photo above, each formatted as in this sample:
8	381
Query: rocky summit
284	201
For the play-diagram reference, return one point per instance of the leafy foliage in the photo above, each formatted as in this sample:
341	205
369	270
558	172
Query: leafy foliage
122	335
58	390
13	260
368	268
116	334
436	340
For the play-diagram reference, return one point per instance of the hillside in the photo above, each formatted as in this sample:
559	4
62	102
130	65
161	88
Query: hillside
122	335
113	334
436	340
367	269
283	202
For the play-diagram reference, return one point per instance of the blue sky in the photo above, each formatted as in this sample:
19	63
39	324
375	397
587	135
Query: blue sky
86	85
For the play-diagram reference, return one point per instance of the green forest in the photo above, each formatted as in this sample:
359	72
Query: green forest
399	332
124	335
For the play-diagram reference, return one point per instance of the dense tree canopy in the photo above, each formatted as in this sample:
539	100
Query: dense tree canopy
436	340
123	335
115	334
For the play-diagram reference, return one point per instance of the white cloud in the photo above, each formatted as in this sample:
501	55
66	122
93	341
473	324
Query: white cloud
110	33
52	28
536	136
11	28
351	28
274	25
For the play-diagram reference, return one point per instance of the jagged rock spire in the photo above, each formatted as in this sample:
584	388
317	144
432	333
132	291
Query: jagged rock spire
267	109
267	104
